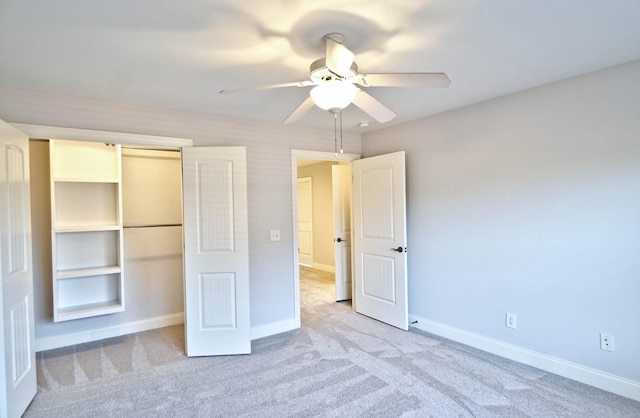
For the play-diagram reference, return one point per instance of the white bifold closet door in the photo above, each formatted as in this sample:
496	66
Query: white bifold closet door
216	251
18	361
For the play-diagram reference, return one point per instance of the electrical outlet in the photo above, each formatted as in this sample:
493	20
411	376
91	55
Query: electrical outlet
510	320
274	235
606	342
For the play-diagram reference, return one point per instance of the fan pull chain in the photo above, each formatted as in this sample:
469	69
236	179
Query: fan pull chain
335	133
341	149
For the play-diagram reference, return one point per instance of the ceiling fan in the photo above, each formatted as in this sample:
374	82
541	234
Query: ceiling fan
335	76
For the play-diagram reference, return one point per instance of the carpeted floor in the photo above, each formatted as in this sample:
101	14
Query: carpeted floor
339	364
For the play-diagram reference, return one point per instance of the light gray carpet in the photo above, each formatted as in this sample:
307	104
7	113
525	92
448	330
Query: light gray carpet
339	364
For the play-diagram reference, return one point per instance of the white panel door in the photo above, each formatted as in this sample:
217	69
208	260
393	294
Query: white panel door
305	221
380	259
18	364
341	185
216	251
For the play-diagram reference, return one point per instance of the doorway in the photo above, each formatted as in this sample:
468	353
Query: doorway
317	165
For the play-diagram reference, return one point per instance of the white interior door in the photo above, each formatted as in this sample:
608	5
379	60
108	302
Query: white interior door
18	383
380	259
341	185
216	251
305	221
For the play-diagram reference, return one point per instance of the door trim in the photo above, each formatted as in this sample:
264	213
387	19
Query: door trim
311	155
89	135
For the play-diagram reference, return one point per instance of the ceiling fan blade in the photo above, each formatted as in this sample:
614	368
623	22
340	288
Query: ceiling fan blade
404	80
300	111
303	83
339	58
374	108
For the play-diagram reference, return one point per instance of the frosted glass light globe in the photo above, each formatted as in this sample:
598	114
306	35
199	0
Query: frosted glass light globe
333	95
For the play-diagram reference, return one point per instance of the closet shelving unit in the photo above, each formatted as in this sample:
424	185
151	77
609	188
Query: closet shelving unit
86	223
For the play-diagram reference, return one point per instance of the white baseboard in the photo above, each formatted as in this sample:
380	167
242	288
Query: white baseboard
324	267
50	343
274	328
601	380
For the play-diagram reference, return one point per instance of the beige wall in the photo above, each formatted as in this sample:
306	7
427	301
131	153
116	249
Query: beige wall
41	231
323	254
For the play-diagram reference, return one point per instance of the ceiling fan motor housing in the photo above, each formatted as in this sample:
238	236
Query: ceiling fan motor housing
318	71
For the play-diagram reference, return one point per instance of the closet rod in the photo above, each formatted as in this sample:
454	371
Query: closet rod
151	226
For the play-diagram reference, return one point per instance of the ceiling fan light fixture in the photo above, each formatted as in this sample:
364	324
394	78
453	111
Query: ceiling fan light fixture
333	95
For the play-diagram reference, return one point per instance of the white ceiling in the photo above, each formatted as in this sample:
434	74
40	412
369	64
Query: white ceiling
179	54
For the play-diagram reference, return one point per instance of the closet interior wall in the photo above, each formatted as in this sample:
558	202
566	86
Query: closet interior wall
152	219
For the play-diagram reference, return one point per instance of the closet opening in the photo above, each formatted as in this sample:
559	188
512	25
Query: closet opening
150	224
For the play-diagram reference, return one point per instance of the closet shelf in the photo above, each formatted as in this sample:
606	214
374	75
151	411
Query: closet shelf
94	271
85	228
91	309
87	180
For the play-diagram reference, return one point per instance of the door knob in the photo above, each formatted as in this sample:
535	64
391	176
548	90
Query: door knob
399	249
340	240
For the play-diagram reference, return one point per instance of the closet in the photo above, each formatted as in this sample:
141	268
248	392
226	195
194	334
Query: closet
116	224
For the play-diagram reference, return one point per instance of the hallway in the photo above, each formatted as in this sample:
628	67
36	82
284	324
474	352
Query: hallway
317	290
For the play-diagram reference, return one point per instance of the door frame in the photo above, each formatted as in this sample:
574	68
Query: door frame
309	155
